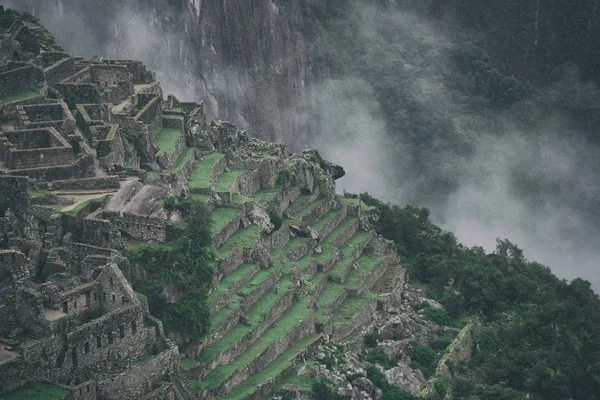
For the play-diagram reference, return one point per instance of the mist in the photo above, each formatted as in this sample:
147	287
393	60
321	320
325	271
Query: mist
406	122
526	173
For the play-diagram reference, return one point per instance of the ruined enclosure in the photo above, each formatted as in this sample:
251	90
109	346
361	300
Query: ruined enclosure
56	115
34	148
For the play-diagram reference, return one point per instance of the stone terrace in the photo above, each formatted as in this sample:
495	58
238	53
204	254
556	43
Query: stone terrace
87	188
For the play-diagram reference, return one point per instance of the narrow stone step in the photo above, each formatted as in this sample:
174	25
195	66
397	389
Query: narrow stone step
260	385
290	328
259	317
207	170
231	282
241	300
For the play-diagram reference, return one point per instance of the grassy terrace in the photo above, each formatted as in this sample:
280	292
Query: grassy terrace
222	216
367	264
24	95
284	324
302	197
272	370
255	314
349	308
331	292
326	219
340	267
350	245
37	391
266	195
232	279
167	140
203	198
341	228
200	177
238	296
242	238
308	209
223	184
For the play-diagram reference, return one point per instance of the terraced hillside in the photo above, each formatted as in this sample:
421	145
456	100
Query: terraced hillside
277	292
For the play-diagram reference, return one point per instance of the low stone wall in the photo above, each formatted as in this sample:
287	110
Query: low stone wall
217	169
140	379
326	230
19	79
151	115
361	318
281	237
233	319
317	213
235	350
239	376
83	167
224	234
103	182
225	298
139	226
246	184
60	70
373	276
235	259
347	234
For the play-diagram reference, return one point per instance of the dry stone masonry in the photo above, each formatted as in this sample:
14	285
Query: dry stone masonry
89	148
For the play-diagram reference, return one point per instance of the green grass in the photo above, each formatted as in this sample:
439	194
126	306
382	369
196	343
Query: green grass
340	267
222	216
236	300
181	160
341	228
238	198
295	203
350	201
331	292
223	184
284	324
255	314
200	177
266	195
326	219
173	116
242	238
26	94
349	308
272	370
308	209
73	212
350	245
167	140
37	391
228	281
177	109
367	264
141	360
203	198
187	363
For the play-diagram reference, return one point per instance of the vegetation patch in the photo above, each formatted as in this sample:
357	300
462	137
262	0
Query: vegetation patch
167	140
37	391
200	176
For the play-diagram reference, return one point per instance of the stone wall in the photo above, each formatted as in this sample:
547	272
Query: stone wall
151	115
59	71
14	195
103	182
303	329
24	76
229	229
140	379
139	226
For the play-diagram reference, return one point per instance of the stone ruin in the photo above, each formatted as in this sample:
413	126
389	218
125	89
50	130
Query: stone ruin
89	148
